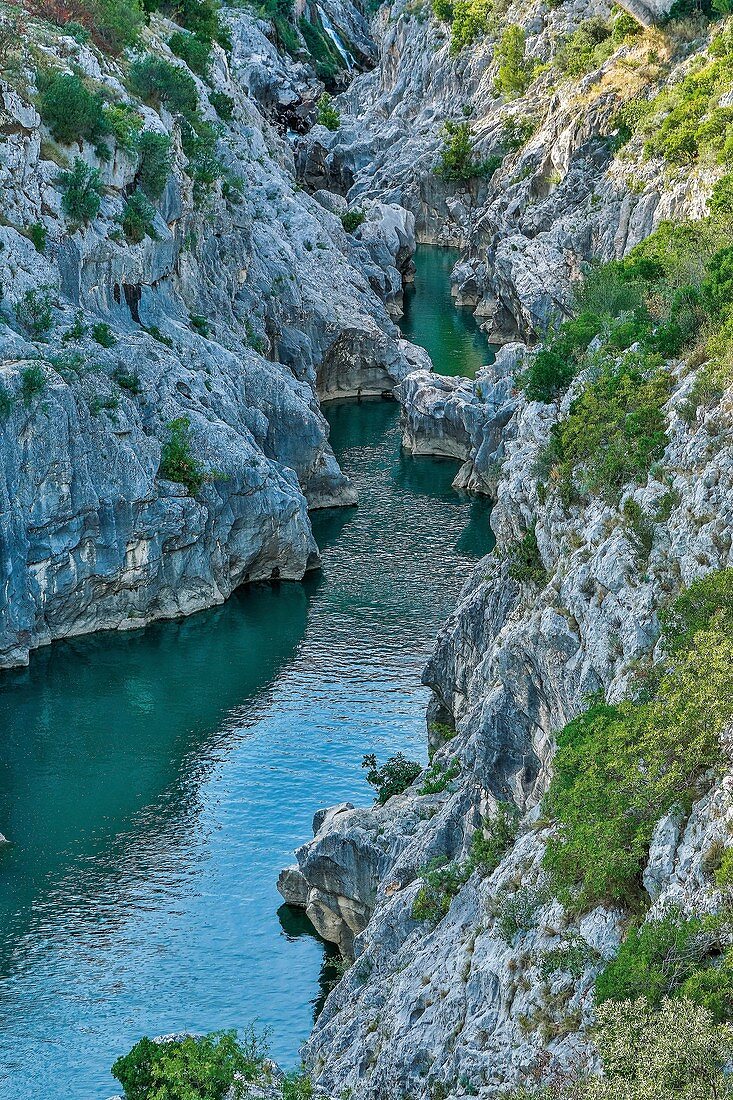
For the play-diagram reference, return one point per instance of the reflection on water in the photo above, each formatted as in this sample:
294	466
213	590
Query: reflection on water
451	336
154	783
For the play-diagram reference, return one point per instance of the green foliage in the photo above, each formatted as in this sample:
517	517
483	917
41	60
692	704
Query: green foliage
6	402
525	561
34	313
490	843
441	883
394	777
124	124
199	325
37	236
297	1086
517	131
155	162
470	22
457	161
619	769
593	42
724	873
721	198
515	71
515	910
137	218
328	114
223	105
70	110
200	141
82	190
615	429
439	775
572	957
32	383
442	10
128	380
191	1068
177	460
639	530
675	955
352	219
708	600
103	334
195	51
157	81
329	62
685	122
115	25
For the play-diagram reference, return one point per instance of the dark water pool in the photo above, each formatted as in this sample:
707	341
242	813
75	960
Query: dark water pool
451	336
154	783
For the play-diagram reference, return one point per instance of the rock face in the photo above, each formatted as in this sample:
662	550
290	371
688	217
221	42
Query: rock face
237	312
462	418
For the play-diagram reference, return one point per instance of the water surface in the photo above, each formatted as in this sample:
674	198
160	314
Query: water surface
154	783
451	336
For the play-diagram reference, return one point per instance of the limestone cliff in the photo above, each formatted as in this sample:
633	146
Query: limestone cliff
239	305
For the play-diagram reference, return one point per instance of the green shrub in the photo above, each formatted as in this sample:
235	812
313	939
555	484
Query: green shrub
199	325
223	105
721	198
394	777
328	61
639	530
191	1068
71	112
515	72
572	957
457	161
441	883
706	601
177	460
128	380
328	114
515	910
297	1086
439	775
82	190
200	146
157	81
124	124
724	873
619	769
155	162
137	218
442	10
195	51
33	382
34	313
492	841
675	955
587	48
470	19
352	219
37	236
103	334
6	402
525	561
615	429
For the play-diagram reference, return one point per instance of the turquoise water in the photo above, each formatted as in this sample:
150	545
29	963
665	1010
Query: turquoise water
451	336
154	783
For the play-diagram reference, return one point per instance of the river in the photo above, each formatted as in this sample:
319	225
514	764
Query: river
153	783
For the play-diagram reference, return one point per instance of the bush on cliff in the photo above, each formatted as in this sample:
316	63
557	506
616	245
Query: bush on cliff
618	769
191	1068
113	25
82	190
457	161
674	955
177	460
71	111
515	71
674	1052
394	777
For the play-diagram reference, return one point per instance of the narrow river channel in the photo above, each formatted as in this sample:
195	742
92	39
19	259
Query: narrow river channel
153	783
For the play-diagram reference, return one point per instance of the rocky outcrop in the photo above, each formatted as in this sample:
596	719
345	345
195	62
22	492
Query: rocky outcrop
231	317
463	418
461	1004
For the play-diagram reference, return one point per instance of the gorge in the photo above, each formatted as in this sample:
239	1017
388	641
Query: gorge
273	502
